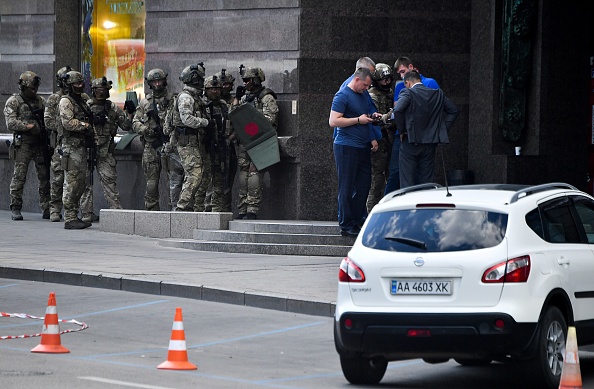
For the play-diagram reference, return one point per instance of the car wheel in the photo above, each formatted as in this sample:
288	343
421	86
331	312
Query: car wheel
363	371
472	362
547	364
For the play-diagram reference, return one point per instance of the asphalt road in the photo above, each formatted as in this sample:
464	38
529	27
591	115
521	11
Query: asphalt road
233	346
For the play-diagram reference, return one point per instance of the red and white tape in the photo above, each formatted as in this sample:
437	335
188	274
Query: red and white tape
25	316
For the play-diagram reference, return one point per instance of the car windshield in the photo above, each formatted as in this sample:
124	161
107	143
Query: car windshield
434	230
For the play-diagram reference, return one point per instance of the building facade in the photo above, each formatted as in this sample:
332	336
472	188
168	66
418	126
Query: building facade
517	80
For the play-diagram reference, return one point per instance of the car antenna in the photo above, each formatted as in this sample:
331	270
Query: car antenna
445	176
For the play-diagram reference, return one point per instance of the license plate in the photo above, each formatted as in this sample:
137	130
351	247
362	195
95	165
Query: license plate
421	286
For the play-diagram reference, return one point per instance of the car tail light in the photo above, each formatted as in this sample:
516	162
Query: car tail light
512	270
350	272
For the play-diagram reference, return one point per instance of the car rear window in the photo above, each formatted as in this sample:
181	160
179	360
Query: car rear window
434	230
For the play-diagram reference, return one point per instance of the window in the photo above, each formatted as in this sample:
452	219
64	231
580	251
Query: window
585	210
434	230
558	223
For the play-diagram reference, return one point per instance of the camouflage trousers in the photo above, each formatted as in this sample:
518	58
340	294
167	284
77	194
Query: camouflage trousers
24	155
57	183
74	162
192	161
220	200
175	172
250	184
201	203
151	164
380	162
106	170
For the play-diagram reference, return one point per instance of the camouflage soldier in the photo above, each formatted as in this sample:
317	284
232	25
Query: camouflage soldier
227	80
107	116
75	117
24	118
250	179
382	95
220	149
190	126
52	123
148	122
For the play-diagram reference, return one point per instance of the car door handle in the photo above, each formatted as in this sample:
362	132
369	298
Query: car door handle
563	261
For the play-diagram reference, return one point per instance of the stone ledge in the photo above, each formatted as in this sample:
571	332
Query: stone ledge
162	224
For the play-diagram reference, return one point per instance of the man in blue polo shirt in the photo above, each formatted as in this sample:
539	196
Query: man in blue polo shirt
355	139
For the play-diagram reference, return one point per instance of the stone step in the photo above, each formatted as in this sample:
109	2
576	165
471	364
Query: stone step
258	248
286	226
272	237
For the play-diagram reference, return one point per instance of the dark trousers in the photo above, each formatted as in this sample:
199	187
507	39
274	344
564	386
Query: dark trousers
393	182
416	161
353	165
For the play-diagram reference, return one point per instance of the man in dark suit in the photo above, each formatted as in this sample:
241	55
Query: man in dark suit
426	116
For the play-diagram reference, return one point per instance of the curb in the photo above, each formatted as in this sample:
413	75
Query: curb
162	288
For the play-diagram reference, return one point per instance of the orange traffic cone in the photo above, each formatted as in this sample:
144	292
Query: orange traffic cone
177	358
571	377
50	335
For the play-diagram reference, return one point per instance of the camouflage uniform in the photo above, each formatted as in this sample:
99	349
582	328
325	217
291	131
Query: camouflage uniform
74	116
250	179
190	124
54	125
221	161
27	142
107	116
383	97
145	124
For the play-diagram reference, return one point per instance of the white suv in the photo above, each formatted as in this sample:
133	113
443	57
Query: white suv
476	273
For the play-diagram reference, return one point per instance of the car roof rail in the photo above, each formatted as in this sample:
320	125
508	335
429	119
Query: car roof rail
540	188
410	189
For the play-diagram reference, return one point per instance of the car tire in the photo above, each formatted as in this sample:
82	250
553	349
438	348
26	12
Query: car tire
547	364
472	362
363	371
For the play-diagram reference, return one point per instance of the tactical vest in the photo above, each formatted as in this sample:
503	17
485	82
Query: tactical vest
198	107
110	128
79	114
24	112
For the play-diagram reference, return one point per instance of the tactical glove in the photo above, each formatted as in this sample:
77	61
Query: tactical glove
239	92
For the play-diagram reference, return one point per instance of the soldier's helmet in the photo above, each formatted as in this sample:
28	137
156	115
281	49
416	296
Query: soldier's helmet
212	82
254	73
60	76
225	77
29	79
155	75
193	75
71	78
382	71
103	85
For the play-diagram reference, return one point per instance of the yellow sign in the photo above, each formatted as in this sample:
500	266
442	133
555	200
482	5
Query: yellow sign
113	45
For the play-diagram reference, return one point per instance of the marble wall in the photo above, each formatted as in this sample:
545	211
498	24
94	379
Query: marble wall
308	48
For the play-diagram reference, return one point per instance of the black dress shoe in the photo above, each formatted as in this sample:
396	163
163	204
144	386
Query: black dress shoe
351	232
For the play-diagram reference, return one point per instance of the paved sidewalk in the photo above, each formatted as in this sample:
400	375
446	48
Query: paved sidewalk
39	250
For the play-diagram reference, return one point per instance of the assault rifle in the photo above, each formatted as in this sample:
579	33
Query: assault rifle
218	147
159	135
44	138
92	157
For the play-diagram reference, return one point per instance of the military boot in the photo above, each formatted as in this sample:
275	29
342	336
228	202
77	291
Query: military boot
90	217
46	214
76	225
55	217
16	214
